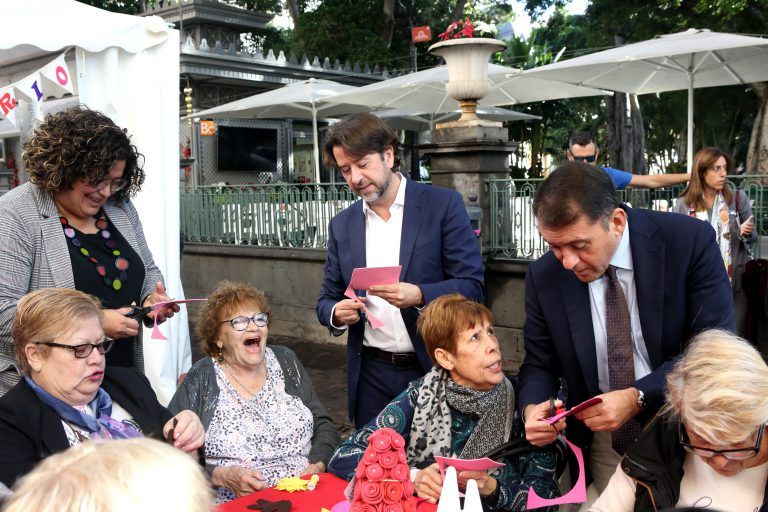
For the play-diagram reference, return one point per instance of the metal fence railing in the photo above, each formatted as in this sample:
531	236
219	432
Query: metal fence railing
513	230
280	215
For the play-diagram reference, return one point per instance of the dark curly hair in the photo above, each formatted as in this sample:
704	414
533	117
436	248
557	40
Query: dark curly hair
81	144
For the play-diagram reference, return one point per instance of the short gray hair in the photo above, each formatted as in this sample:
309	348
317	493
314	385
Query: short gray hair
719	388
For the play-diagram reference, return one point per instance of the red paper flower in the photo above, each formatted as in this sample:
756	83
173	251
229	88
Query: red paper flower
401	457
388	460
392	507
382	441
357	493
371	455
374	472
371	493
398	441
393	492
400	472
364	507
360	471
408	488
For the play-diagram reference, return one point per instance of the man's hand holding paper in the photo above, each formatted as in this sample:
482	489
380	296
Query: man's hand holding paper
400	295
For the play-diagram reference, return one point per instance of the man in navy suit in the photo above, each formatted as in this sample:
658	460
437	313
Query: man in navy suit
398	222
674	285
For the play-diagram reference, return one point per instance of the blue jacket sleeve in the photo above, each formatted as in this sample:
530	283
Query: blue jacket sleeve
541	368
332	287
461	258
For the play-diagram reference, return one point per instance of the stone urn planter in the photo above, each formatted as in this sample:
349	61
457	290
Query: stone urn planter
467	61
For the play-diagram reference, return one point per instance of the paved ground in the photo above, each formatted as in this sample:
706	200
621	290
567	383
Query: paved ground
326	365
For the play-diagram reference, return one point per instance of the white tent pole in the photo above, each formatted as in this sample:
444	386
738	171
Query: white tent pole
689	155
315	149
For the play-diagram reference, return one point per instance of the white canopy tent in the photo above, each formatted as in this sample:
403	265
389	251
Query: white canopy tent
403	119
128	68
686	60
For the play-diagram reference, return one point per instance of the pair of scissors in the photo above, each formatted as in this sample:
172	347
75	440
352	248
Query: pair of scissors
138	313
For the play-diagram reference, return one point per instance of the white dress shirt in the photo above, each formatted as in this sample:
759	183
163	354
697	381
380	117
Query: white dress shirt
382	249
622	260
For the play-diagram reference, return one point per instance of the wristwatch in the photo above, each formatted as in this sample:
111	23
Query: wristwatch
640	399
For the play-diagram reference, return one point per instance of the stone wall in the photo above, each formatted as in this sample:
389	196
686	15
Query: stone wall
291	280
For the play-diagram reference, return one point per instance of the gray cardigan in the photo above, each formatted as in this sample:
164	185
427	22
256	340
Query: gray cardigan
200	393
34	255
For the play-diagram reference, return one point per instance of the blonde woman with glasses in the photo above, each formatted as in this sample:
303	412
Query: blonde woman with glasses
707	447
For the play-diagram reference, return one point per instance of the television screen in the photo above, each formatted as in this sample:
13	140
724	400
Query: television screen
247	149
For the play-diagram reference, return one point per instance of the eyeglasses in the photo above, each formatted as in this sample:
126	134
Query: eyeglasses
114	185
240	323
731	454
84	350
590	159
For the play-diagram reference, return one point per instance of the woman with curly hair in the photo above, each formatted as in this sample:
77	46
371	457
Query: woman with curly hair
73	226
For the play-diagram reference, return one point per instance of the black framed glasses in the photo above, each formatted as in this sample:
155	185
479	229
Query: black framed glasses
114	185
590	159
731	454
84	350
240	323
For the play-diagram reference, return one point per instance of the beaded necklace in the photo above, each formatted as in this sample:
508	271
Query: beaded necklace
121	263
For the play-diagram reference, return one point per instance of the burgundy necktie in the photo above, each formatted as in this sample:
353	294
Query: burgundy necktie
621	366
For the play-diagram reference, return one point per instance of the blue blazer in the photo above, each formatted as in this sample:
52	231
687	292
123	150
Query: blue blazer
682	288
438	252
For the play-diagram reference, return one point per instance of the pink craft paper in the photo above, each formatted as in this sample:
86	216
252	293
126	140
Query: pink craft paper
578	494
466	464
365	277
583	405
375	322
342	506
156	333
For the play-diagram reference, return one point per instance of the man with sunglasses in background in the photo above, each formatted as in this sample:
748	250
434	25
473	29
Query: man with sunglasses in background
583	148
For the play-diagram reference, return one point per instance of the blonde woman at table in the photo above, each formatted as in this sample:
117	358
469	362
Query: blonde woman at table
707	447
117	476
262	417
708	197
66	397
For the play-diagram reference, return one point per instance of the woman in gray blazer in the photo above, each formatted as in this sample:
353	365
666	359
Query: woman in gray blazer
73	226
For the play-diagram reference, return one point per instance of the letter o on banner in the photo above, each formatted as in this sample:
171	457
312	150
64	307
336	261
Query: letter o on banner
61	75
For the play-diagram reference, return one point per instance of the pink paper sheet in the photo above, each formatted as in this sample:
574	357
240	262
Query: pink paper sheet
156	333
365	277
578	494
583	405
466	464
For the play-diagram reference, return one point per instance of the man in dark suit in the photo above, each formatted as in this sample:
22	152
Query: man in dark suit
398	222
582	326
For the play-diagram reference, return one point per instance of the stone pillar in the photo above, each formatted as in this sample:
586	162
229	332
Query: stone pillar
464	157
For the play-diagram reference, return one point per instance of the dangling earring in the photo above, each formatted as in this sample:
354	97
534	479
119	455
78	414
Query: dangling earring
220	357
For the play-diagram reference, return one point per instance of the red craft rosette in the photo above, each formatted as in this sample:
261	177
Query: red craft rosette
393	492
401	456
374	472
397	440
371	493
388	460
391	507
381	440
360	470
408	488
365	507
357	493
371	455
400	472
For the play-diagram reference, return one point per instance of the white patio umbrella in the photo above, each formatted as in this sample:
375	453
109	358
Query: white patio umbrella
686	60
402	119
302	100
424	91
